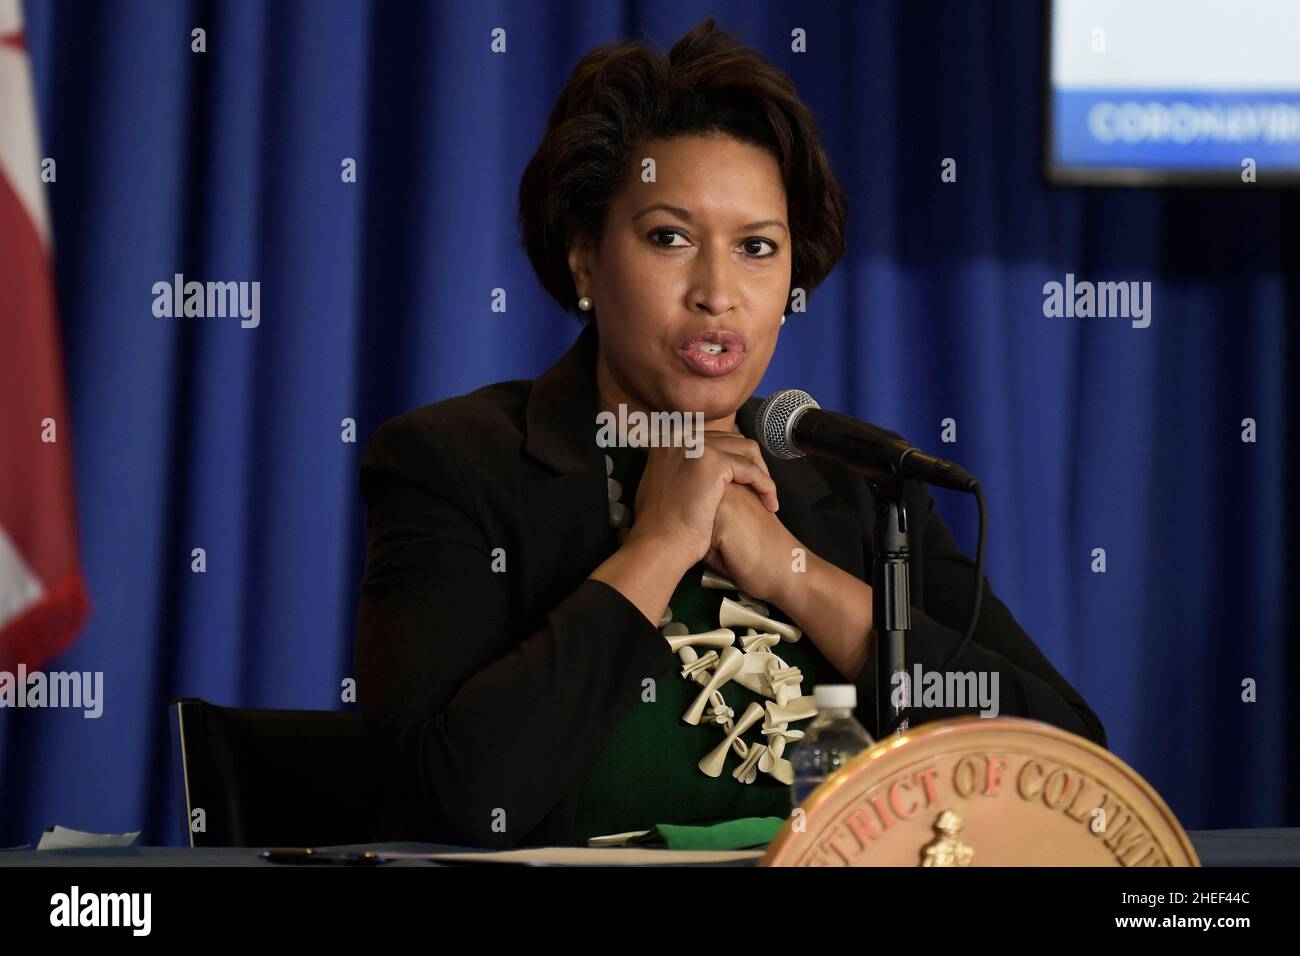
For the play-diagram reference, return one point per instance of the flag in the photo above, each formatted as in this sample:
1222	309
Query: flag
43	601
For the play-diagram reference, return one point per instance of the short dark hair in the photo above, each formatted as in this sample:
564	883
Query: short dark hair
623	94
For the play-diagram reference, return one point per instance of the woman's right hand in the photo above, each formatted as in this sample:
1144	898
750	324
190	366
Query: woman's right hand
678	496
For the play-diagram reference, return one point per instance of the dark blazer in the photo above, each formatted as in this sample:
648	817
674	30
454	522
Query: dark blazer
488	693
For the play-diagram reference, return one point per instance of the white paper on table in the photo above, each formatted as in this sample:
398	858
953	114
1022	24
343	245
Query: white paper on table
63	838
585	856
615	839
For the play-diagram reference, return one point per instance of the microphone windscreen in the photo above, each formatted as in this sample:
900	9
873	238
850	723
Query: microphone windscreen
775	417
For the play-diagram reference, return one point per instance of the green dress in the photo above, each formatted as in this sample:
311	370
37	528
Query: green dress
648	772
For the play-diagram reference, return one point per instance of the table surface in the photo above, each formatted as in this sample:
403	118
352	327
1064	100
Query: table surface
1262	847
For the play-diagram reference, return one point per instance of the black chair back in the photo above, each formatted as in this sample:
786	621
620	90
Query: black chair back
274	777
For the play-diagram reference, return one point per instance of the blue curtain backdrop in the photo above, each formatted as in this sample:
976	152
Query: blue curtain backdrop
375	298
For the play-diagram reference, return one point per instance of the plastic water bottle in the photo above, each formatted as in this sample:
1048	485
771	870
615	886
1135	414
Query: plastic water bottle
830	741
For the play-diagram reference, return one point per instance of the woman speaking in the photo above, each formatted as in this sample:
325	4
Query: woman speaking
562	635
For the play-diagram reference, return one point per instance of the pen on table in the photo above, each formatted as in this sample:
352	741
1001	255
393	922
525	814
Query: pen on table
302	854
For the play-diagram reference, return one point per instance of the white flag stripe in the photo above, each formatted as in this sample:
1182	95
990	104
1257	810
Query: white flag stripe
19	588
20	155
11	16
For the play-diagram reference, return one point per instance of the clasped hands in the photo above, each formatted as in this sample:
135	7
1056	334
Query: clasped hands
721	508
743	539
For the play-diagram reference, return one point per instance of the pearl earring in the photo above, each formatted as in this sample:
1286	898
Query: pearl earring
783	320
585	303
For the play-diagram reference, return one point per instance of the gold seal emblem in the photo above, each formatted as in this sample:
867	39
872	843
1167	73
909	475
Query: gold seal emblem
1021	792
947	849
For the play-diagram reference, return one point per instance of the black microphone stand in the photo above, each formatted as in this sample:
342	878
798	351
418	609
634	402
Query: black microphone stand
891	603
891	587
891	591
838	437
880	457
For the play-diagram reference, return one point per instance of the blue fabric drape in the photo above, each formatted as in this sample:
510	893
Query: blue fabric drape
376	297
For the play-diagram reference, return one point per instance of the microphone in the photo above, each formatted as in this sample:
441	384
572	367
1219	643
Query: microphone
790	424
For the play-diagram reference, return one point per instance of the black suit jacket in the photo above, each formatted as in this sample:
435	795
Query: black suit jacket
488	693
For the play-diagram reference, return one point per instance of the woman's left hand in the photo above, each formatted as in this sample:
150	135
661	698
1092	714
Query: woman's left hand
751	547
756	552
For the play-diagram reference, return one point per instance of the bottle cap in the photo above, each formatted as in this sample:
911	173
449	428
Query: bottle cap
835	696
